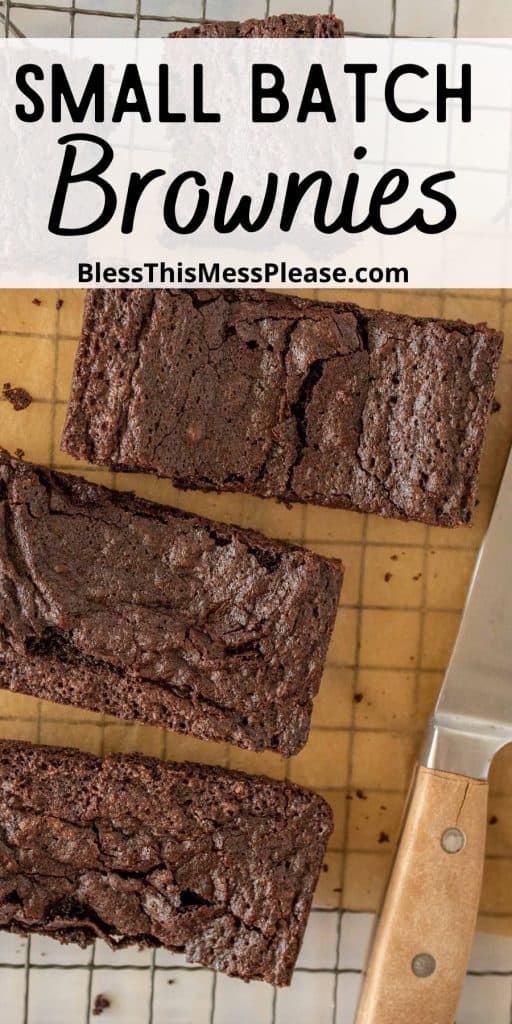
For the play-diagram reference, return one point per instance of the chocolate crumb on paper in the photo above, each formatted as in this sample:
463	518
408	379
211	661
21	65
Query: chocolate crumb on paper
493	820
19	398
495	406
59	304
383	838
36	302
101	1003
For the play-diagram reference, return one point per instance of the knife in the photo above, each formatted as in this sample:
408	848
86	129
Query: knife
424	934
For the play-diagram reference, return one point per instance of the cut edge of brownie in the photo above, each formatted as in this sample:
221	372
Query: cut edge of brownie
279	26
54	668
40	780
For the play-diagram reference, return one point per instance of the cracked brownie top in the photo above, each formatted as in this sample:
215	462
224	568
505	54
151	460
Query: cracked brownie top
217	864
140	610
279	396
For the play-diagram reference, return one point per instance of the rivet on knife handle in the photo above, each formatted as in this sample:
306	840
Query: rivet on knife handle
424	935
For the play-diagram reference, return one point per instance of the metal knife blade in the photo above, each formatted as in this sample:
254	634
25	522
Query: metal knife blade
423	938
473	716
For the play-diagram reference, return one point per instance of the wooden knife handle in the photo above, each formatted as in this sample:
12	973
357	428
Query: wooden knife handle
424	935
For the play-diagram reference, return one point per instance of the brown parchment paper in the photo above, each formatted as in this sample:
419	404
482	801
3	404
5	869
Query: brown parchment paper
404	590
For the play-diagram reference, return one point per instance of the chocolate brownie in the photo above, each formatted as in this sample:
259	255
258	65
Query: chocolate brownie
142	611
278	396
296	26
215	864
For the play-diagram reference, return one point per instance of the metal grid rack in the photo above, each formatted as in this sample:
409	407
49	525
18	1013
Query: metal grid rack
155	17
157	987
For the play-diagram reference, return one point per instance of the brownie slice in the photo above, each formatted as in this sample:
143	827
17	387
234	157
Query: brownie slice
216	864
278	396
296	26
142	611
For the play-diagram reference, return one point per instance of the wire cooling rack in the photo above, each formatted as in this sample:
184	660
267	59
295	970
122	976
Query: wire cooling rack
43	983
156	17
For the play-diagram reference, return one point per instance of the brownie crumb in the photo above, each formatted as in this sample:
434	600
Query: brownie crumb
170	981
361	795
388	576
358	697
59	304
36	302
495	407
493	820
101	1003
418	576
19	398
394	558
325	868
383	838
19	453
338	889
